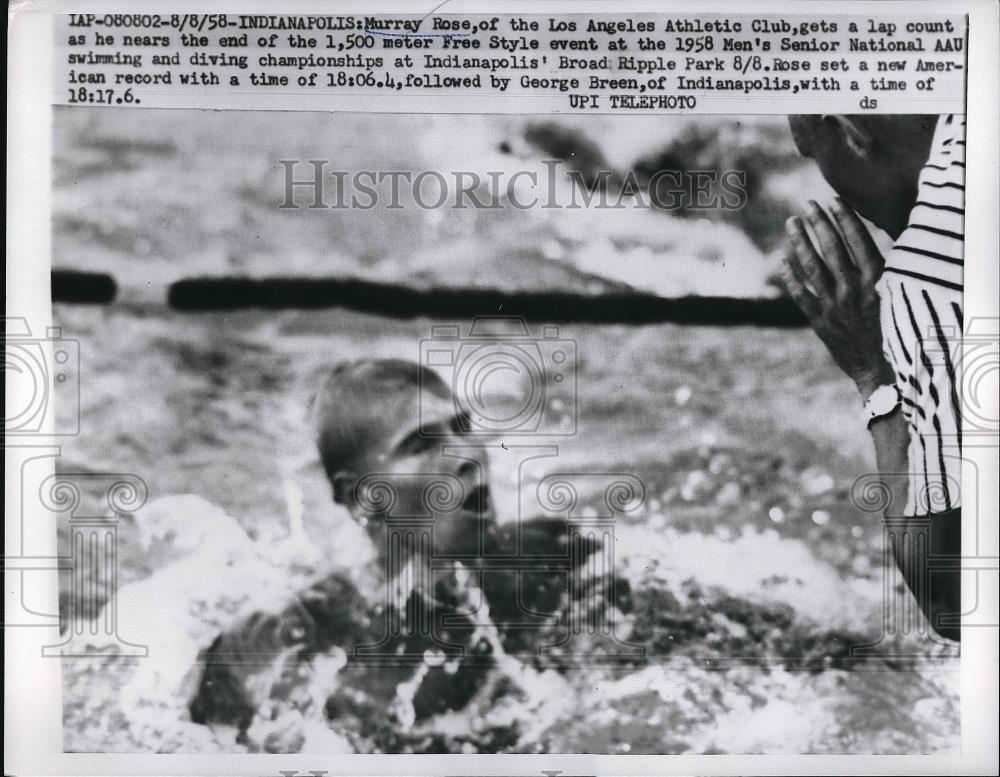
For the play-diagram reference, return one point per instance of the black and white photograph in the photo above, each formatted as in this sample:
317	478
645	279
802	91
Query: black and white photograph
391	532
532	433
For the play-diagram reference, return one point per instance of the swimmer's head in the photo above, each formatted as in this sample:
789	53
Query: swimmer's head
872	161
383	428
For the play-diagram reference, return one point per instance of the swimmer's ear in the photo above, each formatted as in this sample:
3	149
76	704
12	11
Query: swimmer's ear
343	488
855	136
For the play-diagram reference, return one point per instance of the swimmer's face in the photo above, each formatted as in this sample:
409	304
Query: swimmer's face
421	467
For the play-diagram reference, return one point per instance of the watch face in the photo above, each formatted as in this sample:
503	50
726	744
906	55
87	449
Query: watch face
883	400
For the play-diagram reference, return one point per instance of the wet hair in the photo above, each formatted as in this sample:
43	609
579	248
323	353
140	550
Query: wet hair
360	398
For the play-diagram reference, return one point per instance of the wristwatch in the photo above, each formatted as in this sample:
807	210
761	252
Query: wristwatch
883	401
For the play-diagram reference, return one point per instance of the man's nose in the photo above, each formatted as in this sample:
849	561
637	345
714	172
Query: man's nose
475	485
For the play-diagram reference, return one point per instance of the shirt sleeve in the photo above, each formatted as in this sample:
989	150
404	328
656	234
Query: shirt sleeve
921	313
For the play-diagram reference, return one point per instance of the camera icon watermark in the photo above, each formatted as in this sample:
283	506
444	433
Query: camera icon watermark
503	380
965	368
33	368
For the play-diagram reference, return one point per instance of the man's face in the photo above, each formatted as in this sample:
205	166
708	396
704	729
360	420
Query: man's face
854	158
853	176
421	470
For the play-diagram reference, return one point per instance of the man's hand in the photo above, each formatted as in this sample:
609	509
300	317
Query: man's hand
833	282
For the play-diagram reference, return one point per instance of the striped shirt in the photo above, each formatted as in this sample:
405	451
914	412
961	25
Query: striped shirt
921	311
